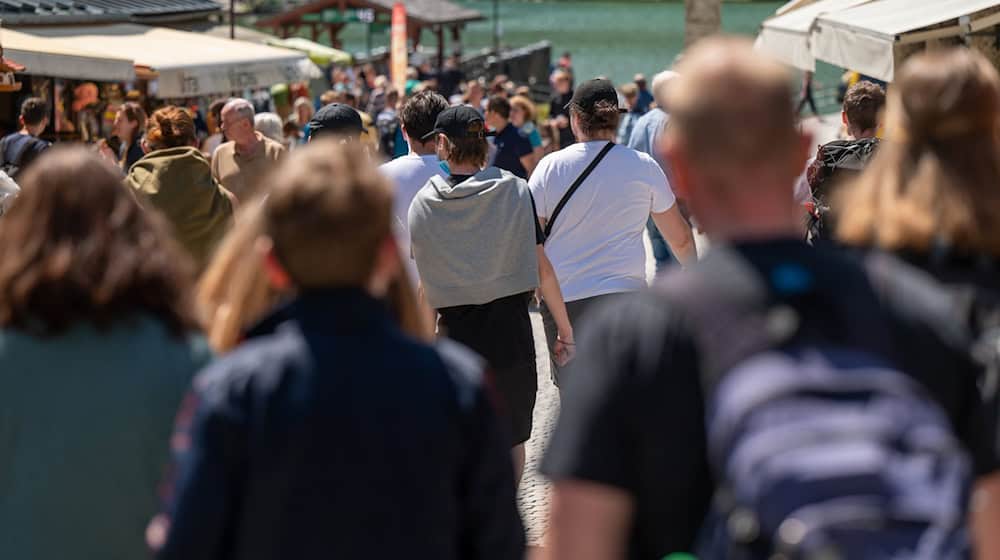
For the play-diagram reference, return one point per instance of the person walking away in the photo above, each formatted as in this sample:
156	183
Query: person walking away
97	347
595	237
239	164
331	365
687	379
478	248
645	97
632	114
514	151
940	107
128	127
806	96
562	84
391	139
214	122
339	121
522	115
451	76
175	179
645	138
840	161
20	148
411	172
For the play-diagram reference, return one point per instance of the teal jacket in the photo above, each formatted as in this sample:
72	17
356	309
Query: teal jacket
85	422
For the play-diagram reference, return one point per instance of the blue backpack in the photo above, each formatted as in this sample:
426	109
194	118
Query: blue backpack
820	447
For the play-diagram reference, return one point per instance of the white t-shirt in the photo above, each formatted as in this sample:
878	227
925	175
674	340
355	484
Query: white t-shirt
596	242
409	174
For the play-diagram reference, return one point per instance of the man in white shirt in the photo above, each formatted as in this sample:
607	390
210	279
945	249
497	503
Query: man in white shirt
596	241
412	171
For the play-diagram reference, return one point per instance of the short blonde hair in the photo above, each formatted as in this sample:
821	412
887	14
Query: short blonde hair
936	177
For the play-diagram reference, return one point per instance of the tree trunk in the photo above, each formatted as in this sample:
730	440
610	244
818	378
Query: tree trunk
701	18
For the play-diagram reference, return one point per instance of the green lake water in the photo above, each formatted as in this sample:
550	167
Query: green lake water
610	38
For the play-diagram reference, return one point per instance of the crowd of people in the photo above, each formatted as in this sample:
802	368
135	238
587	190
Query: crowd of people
256	345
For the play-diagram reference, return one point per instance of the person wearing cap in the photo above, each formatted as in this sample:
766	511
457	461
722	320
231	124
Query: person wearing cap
596	242
336	119
478	250
248	155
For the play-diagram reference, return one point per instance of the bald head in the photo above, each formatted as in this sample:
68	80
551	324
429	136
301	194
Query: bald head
661	88
730	105
733	142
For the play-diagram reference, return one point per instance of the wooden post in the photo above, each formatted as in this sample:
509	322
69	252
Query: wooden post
701	18
440	37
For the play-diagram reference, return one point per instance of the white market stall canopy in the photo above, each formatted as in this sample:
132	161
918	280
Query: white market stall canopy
863	38
45	56
785	37
188	64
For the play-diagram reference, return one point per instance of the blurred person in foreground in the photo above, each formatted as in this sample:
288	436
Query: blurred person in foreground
594	233
774	398
239	163
478	248
930	196
176	179
234	292
645	138
330	432
411	172
97	348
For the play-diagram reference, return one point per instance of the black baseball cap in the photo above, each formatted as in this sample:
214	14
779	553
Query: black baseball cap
591	92
458	122
336	118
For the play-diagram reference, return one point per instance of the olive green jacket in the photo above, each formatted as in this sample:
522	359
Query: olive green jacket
178	182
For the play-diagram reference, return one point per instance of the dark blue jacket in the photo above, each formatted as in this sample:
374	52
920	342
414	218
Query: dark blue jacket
331	434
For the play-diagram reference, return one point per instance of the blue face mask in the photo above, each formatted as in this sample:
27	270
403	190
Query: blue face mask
444	167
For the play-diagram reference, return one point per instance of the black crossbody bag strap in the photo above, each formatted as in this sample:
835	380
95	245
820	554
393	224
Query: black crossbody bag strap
576	184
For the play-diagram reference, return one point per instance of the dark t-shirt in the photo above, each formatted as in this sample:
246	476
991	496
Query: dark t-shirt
511	147
633	405
557	107
21	149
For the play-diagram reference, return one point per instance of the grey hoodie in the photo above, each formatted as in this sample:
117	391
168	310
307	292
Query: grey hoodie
474	242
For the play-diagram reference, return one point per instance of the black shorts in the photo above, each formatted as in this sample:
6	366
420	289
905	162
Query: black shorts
500	331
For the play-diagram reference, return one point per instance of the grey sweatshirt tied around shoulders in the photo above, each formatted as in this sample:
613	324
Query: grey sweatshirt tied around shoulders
474	242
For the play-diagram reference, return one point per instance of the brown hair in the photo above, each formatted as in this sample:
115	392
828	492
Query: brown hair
327	214
525	104
862	105
34	110
471	151
419	113
75	247
170	127
935	176
135	113
499	105
602	118
234	292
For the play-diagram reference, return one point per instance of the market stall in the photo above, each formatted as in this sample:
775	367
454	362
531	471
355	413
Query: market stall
786	36
873	38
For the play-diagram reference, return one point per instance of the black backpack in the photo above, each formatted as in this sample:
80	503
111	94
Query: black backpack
835	163
23	155
820	446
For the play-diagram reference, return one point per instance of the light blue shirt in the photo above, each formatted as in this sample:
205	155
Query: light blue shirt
646	135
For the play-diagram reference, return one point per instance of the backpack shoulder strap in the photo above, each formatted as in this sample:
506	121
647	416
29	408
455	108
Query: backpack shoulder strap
576	184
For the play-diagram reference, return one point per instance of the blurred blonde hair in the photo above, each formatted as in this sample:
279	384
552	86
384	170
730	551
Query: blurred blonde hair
936	177
323	194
